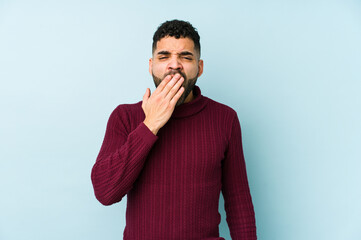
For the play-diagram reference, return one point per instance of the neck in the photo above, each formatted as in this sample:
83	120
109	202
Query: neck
189	98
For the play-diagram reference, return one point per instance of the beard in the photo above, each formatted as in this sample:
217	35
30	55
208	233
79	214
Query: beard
188	84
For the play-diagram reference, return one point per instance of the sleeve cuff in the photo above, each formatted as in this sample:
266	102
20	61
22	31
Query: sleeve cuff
144	132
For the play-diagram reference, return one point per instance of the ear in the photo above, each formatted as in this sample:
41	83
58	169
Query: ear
150	66
200	67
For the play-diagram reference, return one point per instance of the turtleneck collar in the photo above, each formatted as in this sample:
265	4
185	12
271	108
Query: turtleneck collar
192	107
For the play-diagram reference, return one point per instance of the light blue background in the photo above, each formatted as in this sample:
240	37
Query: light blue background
291	69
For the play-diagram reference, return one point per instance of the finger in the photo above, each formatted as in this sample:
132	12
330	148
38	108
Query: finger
163	83
170	85
174	100
146	95
174	89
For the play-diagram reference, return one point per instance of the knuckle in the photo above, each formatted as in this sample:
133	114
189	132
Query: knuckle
168	87
157	98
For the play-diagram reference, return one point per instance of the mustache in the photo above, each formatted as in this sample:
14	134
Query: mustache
173	72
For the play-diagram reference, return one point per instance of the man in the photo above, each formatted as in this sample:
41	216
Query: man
173	152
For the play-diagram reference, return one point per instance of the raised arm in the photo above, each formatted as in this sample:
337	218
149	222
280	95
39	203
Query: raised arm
120	160
123	153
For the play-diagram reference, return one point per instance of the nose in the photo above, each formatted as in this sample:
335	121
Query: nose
175	64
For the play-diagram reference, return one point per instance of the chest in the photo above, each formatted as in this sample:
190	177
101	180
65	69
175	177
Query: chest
188	150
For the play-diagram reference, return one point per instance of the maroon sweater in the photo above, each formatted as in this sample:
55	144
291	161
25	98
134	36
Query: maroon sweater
173	179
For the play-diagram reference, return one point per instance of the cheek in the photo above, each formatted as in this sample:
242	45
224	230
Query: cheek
191	71
158	69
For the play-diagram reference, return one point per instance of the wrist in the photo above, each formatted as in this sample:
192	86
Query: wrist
151	127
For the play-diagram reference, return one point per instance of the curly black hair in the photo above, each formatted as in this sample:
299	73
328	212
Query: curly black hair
178	29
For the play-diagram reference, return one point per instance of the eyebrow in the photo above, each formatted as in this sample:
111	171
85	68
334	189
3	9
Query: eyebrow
163	53
184	53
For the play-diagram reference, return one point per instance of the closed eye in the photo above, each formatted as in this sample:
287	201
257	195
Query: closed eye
186	55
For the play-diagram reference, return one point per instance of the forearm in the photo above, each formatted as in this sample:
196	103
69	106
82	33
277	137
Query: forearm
116	169
241	216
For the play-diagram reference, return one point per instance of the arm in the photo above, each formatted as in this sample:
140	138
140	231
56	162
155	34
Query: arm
120	160
235	189
123	153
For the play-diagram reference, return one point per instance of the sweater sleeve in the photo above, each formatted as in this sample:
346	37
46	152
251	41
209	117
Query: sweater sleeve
121	158
237	198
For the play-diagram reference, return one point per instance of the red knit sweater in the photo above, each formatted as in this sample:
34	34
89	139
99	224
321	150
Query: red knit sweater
173	179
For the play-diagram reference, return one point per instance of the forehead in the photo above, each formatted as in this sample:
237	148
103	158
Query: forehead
173	44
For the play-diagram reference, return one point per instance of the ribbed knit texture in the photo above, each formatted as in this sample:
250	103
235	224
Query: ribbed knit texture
173	179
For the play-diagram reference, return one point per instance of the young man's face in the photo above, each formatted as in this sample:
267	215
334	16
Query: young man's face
173	56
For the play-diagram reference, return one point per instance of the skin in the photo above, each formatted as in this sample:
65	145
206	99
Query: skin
175	67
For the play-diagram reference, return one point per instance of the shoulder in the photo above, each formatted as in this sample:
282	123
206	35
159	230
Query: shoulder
221	109
128	114
128	108
226	116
